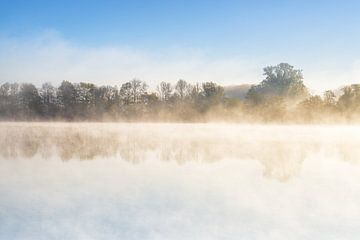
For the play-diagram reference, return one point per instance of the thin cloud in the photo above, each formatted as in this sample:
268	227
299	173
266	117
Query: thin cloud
52	58
333	78
49	57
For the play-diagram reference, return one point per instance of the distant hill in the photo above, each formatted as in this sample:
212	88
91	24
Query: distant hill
237	91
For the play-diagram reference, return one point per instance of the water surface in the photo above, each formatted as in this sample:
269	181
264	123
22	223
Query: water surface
178	181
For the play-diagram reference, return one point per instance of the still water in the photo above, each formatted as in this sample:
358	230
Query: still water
178	181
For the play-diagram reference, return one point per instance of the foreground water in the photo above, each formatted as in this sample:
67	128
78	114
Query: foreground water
178	181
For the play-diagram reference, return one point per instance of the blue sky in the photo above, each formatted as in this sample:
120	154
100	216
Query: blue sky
320	37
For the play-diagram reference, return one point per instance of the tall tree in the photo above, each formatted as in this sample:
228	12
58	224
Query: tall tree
30	100
132	92
48	98
329	98
85	98
106	97
165	90
182	88
126	93
349	101
213	92
66	95
281	80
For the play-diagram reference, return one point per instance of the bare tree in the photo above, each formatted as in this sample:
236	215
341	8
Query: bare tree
133	91
182	88
165	90
47	93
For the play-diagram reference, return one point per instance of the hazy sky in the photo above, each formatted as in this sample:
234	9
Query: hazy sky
229	42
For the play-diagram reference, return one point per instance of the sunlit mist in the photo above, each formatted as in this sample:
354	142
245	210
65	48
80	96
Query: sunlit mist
136	181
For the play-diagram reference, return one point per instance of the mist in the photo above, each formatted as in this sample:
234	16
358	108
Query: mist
136	180
178	120
49	57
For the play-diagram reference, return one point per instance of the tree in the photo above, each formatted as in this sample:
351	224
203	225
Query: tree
313	103
86	93
47	93
48	98
165	90
329	98
151	98
195	91
4	90
126	93
85	98
182	89
311	108
281	80
349	101
132	92
213	92
106	97
14	102
211	95
30	100
4	99
66	95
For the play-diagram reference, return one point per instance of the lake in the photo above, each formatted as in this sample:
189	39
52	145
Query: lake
179	181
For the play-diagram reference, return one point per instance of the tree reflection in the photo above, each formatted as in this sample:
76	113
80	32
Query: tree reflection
281	158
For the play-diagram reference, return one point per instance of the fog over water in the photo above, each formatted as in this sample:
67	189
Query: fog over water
179	181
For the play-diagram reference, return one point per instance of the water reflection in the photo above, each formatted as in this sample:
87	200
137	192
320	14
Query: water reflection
178	181
280	150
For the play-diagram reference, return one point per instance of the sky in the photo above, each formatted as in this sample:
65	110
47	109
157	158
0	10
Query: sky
228	42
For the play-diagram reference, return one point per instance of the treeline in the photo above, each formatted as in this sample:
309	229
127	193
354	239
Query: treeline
281	96
86	101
